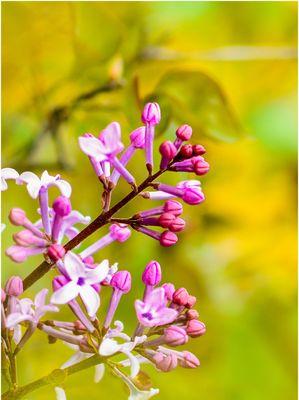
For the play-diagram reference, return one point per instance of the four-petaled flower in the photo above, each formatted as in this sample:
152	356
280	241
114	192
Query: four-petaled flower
154	311
81	281
34	183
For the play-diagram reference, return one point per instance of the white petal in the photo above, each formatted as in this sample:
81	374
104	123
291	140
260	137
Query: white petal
109	347
9	173
65	294
98	274
40	298
76	358
27	177
15	318
64	187
93	147
74	266
111	136
4	185
17	334
90	298
135	366
99	372
60	393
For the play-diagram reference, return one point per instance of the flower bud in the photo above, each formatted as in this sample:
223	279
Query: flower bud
184	132
198	150
58	282
151	114
174	207
3	296
14	286
166	219
177	225
180	297
165	363
152	274
79	326
193	196
120	232
192	314
186	151
56	252
121	280
195	328
200	166
168	150
17	254
27	238
137	138
175	336
169	290
189	360
62	206
191	301
168	239
17	216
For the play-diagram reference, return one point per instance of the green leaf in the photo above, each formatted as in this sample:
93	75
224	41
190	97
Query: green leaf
193	97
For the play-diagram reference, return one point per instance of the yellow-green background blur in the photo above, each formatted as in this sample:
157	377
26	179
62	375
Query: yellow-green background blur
230	70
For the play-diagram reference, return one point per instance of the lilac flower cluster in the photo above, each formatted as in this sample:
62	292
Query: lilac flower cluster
166	316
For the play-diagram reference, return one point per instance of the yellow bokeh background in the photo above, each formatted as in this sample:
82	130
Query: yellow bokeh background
238	252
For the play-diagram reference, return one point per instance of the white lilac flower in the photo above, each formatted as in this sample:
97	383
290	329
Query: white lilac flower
80	283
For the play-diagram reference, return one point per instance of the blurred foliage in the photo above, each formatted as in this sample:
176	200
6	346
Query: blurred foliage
229	69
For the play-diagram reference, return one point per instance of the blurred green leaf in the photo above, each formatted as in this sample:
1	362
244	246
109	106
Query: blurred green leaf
195	97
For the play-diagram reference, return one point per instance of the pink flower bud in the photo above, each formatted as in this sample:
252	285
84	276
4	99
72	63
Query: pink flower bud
198	150
89	261
192	314
152	274
180	297
193	196
62	206
174	207
17	216
121	280
168	239
14	286
166	219
168	150
120	232
55	252
3	296
200	166
17	254
195	328
27	238
184	132
151	114
189	360
175	336
177	225
165	363
186	151
137	137
58	282
169	290
191	301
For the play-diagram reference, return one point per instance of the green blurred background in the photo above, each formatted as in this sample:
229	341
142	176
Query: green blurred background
230	70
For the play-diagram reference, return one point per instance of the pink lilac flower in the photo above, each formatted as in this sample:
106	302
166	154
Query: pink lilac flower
154	311
80	283
105	148
38	187
7	173
151	116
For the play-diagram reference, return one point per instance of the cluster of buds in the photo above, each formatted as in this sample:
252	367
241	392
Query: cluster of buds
166	316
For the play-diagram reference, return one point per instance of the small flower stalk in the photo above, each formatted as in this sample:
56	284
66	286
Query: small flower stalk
166	317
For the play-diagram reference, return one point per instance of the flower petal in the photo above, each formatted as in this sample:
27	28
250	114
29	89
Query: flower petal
93	147
74	266
15	318
60	393
156	298
166	316
109	347
64	187
40	298
99	372
90	298
76	358
98	274
135	366
65	294
9	173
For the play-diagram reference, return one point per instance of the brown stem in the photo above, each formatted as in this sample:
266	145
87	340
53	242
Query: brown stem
100	221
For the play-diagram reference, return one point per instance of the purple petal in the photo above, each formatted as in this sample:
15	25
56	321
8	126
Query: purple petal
40	298
98	274
65	294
